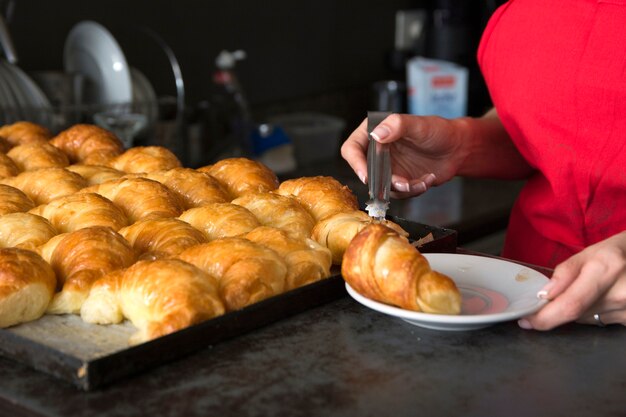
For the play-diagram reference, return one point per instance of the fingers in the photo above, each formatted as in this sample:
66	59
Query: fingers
610	317
354	151
403	188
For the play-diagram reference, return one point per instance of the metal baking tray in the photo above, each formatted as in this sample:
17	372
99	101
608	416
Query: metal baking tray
90	356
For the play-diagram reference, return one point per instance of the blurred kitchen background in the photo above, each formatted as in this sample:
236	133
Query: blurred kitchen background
284	81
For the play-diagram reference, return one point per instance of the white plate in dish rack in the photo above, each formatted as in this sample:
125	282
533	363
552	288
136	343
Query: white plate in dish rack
493	291
91	50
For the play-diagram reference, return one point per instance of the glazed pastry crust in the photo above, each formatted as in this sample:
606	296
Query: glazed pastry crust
194	188
88	144
95	174
44	185
24	230
145	159
23	132
13	200
242	176
33	156
7	167
382	265
218	220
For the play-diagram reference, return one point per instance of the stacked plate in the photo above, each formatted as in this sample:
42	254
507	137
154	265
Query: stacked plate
21	98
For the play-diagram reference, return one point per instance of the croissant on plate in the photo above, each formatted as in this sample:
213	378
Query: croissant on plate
145	159
279	211
337	231
242	175
158	297
194	188
33	156
307	261
14	200
321	195
88	144
77	211
95	174
382	265
161	238
44	185
23	132
7	167
79	258
27	283
218	220
246	272
24	230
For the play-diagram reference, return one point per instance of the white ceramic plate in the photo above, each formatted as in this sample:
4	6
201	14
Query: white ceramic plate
493	291
92	51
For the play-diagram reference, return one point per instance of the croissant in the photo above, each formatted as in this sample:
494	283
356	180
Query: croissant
242	175
24	230
307	261
145	159
7	167
322	196
13	200
194	188
44	185
382	265
5	146
27	283
162	238
217	220
246	272
77	211
79	258
24	132
32	156
336	231
88	144
95	174
139	198
279	211
159	297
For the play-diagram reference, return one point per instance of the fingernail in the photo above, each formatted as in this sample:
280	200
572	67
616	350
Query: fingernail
542	295
380	132
418	187
430	179
401	186
525	324
362	177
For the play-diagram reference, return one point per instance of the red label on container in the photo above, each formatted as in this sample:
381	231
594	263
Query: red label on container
443	81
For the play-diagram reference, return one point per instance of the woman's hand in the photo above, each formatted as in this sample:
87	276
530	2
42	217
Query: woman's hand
592	282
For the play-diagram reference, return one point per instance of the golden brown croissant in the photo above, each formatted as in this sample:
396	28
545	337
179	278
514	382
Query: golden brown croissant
336	231
44	185
24	230
162	238
5	146
282	212
159	297
95	174
247	272
242	175
139	198
88	144
382	265
13	200
145	159
307	260
27	283
7	167
32	156
77	211
23	132
322	196
217	220
194	188
79	258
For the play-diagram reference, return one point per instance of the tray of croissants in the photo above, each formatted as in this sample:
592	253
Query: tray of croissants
113	260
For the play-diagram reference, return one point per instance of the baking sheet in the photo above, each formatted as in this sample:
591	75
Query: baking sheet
90	356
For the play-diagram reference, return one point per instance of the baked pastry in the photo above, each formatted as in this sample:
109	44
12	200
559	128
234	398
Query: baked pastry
27	283
145	159
217	220
24	230
7	167
242	175
5	146
382	265
139	198
77	211
13	200
307	261
194	188
88	144
336	231
95	174
44	185
79	258
321	195
32	156
282	212
161	238
246	272
159	297
23	132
